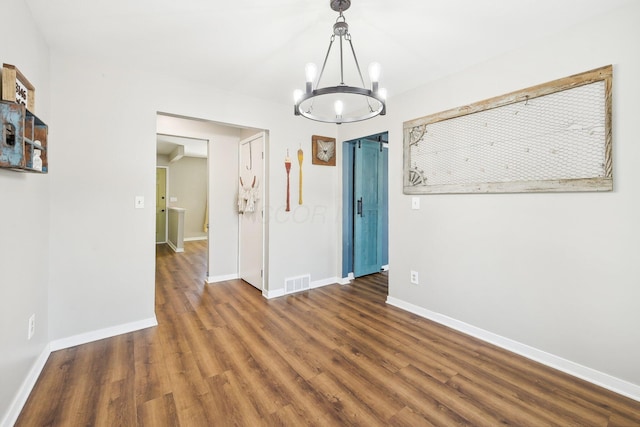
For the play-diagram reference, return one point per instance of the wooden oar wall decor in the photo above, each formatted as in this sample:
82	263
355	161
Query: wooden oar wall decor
287	166
300	158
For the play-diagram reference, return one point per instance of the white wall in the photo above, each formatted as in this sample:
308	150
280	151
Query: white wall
102	268
557	272
24	220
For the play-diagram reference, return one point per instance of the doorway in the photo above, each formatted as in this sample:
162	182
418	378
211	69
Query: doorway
218	220
365	202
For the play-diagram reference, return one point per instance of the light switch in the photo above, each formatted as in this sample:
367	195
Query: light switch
415	203
173	199
139	202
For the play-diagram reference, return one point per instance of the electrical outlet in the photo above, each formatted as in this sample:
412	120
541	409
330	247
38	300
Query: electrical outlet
32	326
414	277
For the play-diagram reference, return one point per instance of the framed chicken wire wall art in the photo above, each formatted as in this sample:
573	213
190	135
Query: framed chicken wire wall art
548	138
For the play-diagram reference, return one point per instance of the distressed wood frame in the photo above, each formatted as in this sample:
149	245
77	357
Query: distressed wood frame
414	129
11	74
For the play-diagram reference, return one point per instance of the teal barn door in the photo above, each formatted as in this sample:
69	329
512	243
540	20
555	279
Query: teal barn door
369	208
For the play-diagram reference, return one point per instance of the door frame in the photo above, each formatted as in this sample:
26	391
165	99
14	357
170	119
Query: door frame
166	202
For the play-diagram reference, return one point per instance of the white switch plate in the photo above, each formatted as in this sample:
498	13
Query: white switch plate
139	202
32	326
173	199
415	203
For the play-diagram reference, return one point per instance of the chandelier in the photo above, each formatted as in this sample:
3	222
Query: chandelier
341	103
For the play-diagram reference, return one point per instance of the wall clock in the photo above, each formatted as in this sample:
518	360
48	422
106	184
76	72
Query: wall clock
323	150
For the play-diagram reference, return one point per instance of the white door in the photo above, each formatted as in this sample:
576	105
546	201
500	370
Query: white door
251	185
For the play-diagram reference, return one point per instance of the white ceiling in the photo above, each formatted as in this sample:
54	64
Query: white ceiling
260	47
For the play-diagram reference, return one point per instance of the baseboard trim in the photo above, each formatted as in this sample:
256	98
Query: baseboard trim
273	294
102	333
323	282
216	279
601	379
172	246
25	389
194	239
344	281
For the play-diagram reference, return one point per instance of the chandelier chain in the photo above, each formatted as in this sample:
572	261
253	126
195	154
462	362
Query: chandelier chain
324	64
341	64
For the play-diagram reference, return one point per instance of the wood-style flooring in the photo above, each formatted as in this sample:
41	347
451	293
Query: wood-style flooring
222	355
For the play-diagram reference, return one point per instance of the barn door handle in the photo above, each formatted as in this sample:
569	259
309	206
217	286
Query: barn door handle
359	208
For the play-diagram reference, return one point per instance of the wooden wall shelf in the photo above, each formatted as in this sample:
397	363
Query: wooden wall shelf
23	138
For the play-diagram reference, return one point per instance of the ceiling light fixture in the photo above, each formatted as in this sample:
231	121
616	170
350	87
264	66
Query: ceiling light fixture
342	103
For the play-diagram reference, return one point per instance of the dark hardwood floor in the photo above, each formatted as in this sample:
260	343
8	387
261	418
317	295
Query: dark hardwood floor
223	355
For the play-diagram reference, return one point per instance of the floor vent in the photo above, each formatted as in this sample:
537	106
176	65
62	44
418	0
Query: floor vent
297	284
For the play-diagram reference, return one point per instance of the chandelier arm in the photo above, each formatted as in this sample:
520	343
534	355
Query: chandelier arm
324	64
355	58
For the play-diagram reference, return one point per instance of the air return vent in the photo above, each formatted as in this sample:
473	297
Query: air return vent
297	284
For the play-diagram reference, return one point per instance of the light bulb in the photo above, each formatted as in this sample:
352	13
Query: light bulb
310	71
297	94
374	72
339	107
